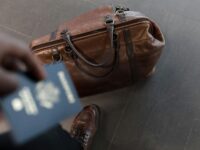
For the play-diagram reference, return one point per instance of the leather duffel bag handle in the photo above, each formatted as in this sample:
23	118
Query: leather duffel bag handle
75	54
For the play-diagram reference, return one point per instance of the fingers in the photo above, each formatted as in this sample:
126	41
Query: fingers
34	68
9	82
21	53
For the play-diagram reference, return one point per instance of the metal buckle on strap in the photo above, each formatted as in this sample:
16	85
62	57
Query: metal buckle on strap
56	56
119	11
110	28
109	20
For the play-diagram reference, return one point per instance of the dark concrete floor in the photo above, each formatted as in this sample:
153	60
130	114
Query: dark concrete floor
162	113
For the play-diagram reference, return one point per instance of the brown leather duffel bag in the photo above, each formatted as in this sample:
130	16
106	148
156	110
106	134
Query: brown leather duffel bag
104	49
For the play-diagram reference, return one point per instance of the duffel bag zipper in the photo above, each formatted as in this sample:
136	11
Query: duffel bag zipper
60	42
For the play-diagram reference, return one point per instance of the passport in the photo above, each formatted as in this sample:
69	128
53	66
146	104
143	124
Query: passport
36	107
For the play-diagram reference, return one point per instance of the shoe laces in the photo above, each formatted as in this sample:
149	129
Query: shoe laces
81	134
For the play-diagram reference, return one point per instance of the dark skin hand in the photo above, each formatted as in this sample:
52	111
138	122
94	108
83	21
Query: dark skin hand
14	57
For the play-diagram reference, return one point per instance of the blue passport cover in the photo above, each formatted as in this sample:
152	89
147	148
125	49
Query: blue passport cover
36	107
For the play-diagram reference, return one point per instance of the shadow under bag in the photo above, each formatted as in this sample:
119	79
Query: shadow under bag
104	49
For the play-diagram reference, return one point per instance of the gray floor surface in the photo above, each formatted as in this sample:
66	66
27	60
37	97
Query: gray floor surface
162	113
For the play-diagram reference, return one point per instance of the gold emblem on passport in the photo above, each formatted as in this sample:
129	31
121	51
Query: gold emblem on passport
25	101
47	94
66	86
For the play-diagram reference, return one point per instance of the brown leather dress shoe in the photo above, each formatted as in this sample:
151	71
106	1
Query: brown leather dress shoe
85	125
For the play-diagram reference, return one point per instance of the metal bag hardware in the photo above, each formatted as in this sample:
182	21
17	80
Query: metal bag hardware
56	56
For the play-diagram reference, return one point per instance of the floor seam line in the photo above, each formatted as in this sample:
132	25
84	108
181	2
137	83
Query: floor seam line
13	30
120	118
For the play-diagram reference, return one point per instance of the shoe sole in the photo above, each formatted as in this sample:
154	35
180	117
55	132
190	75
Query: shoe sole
98	115
97	122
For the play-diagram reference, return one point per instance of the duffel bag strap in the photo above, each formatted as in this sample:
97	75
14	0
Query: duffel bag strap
120	12
76	55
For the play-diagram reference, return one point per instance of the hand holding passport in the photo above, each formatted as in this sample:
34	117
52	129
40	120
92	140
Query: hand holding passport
36	107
